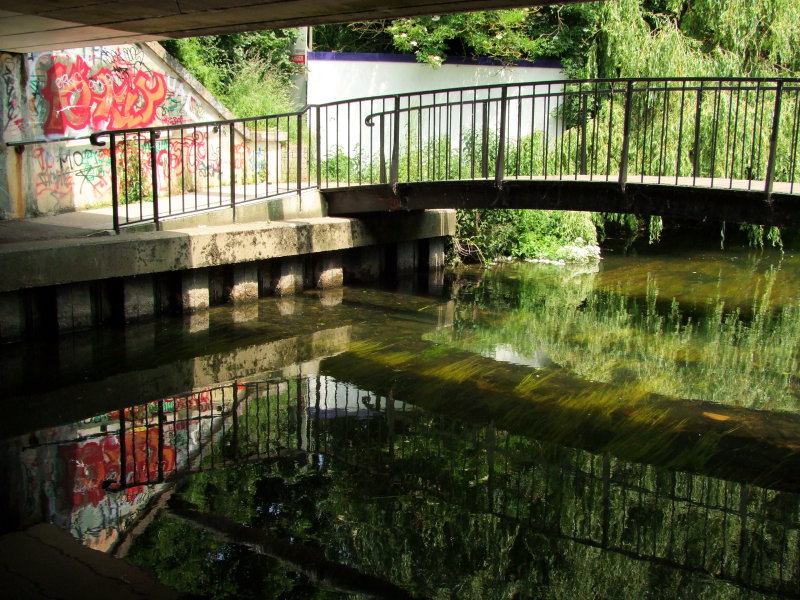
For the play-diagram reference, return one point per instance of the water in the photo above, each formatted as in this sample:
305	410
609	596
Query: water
624	431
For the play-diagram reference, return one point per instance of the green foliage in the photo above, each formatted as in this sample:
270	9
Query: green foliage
248	72
135	184
487	234
623	38
500	34
256	91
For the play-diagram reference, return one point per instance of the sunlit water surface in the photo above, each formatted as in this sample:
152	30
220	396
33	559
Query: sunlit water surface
627	430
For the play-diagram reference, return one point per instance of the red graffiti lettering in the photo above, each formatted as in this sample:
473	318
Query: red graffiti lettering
120	99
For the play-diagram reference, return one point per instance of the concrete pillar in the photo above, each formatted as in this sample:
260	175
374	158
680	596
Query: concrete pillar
406	258
436	253
290	280
328	271
139	298
12	318
74	306
364	264
245	283
194	290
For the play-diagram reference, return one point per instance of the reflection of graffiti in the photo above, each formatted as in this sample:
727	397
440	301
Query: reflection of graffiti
90	465
107	99
72	473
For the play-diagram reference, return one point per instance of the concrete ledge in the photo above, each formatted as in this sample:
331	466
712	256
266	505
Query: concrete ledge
308	203
38	264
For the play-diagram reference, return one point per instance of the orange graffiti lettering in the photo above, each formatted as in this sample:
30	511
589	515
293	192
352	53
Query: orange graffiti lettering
105	100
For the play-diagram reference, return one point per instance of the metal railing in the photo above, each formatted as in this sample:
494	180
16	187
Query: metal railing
736	134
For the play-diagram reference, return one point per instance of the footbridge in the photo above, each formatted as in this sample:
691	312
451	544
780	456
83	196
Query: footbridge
695	148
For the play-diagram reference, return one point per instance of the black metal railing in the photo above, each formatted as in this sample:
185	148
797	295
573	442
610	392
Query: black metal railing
736	134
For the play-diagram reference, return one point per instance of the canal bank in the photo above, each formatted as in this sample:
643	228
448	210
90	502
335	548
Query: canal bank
76	283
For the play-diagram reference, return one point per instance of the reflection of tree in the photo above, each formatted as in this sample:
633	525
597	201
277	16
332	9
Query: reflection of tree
745	355
445	509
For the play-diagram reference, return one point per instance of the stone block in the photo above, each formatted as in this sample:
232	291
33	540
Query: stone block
245	283
139	298
407	257
195	294
328	271
74	306
436	253
363	265
12	317
291	276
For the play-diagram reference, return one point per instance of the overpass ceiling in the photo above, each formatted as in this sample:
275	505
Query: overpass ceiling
38	25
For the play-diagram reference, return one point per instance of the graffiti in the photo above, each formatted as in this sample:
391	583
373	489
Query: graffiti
57	173
186	156
242	155
48	181
13	113
117	98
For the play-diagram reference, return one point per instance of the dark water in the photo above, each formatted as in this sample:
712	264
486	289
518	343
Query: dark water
624	431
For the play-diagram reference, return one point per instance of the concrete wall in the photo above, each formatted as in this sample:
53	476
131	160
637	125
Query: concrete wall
334	77
80	283
73	93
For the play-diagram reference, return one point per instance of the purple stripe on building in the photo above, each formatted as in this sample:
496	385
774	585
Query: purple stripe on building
541	63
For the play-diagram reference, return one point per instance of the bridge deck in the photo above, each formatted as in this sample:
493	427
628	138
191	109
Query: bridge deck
734	201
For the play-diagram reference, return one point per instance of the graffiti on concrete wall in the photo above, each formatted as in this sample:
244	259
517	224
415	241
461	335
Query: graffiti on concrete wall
60	172
12	118
76	92
120	97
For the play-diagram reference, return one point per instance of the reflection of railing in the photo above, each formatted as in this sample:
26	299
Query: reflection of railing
731	531
736	134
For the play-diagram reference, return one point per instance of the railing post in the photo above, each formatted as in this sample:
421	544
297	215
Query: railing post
499	165
299	153
697	116
382	144
583	137
485	141
319	151
114	183
232	152
626	137
154	177
773	141
394	168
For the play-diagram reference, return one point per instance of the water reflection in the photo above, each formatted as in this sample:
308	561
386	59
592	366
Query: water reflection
624	431
396	494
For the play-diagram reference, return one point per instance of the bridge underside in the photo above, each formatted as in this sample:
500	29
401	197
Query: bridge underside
694	203
50	24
